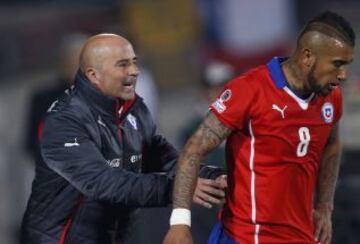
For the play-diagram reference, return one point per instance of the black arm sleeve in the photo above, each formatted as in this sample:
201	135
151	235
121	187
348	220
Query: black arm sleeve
68	150
161	156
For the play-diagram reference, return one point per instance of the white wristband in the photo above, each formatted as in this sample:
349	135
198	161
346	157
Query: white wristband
180	216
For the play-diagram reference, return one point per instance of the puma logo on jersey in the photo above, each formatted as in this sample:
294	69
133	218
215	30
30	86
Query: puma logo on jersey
72	144
282	111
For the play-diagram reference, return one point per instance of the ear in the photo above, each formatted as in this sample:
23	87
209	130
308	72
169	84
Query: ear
94	76
307	58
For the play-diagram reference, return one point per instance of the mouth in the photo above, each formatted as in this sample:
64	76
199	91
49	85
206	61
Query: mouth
333	85
129	84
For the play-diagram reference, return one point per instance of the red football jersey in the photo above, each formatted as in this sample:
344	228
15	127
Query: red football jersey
273	155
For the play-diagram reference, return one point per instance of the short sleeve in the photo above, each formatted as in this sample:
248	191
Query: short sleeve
232	106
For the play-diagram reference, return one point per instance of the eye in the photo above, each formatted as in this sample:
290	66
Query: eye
338	63
122	64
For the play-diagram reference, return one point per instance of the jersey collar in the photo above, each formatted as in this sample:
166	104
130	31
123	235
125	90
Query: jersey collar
276	73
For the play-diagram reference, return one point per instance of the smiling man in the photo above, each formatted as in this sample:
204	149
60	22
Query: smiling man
280	121
101	155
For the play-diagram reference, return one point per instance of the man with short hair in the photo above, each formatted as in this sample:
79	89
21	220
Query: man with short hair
100	154
281	125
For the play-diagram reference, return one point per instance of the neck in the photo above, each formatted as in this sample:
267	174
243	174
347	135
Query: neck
295	78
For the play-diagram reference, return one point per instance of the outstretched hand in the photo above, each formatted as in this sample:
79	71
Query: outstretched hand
210	192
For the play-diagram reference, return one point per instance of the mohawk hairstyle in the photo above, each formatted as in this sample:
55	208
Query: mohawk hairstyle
331	24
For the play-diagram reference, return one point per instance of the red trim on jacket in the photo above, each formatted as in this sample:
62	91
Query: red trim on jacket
40	130
70	220
122	108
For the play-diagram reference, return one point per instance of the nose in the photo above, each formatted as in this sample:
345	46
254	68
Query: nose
342	76
133	70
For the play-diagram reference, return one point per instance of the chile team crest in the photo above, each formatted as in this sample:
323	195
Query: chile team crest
327	112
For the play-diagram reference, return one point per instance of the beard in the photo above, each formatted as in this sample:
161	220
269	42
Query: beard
314	84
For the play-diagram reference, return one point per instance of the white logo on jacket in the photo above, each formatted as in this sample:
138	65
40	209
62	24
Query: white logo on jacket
114	163
282	111
52	106
100	122
135	158
72	144
132	121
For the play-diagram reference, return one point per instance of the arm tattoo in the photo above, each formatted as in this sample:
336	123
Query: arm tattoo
329	170
209	135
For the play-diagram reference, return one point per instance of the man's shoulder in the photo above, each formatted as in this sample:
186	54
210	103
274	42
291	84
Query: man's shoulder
249	83
68	105
257	74
140	108
253	77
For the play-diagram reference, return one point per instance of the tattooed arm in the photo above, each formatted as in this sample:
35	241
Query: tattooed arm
327	178
209	135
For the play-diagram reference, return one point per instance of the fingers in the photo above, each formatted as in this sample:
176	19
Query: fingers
317	231
201	202
210	187
323	225
219	193
209	182
222	180
316	220
207	200
323	233
210	198
208	192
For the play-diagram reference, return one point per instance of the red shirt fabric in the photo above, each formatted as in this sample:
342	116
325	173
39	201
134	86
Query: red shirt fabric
273	155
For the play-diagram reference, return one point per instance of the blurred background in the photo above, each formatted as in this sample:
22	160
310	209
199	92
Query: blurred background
187	49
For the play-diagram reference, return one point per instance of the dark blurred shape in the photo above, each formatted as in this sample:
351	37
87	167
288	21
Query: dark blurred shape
346	219
60	2
31	30
40	102
214	76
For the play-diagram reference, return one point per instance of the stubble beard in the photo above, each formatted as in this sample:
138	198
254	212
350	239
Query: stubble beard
314	84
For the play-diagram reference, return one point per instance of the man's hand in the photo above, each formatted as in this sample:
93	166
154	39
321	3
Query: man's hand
209	192
178	234
222	180
323	224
